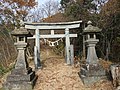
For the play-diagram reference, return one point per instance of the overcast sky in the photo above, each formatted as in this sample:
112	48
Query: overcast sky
43	1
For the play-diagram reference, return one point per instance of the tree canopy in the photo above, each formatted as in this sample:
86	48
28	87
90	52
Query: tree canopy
105	14
12	10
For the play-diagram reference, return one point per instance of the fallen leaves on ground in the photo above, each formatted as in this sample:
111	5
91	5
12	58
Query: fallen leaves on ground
56	75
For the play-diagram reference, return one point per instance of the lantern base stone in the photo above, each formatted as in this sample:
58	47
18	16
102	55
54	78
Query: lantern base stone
20	79
91	74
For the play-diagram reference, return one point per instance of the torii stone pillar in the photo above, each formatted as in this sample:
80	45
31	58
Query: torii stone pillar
22	77
67	41
37	50
92	71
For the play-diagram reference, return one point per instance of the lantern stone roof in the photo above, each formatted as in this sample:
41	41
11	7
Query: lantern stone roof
20	32
91	29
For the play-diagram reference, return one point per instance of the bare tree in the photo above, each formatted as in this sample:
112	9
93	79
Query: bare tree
50	7
35	15
47	9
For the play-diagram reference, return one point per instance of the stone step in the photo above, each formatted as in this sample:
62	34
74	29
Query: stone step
28	77
18	83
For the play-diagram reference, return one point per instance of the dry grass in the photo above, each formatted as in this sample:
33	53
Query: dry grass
105	64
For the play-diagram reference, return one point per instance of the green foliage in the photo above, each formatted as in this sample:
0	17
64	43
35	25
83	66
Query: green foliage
64	3
118	39
4	70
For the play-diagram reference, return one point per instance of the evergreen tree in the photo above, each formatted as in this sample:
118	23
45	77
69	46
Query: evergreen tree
78	9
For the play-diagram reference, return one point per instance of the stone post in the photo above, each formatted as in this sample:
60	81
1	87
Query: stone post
71	54
91	71
22	77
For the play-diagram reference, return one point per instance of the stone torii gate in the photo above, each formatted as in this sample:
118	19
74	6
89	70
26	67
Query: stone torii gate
51	26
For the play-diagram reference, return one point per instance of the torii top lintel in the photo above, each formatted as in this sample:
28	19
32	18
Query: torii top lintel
53	26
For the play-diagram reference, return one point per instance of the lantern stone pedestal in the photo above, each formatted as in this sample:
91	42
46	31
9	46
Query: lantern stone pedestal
22	77
91	74
92	71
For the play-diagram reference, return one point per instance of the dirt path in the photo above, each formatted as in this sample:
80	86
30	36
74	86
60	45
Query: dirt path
55	75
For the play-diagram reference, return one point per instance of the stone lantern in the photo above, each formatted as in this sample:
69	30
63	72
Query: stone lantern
92	71
22	77
91	41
